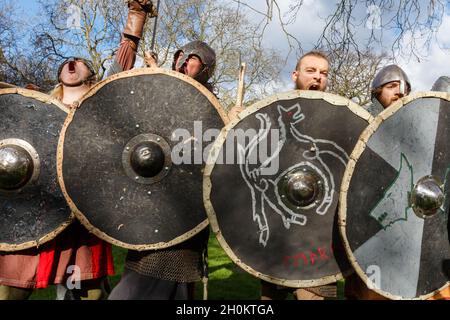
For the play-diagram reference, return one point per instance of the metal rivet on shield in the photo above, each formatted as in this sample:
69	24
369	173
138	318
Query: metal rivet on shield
137	178
167	168
132	92
149	193
158	139
156	231
137	126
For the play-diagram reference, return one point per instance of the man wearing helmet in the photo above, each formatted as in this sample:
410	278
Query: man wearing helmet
442	84
389	85
196	60
168	273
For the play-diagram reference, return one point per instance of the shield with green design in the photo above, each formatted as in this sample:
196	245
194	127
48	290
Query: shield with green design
394	203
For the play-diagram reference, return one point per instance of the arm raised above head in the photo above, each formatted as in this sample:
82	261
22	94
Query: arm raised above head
138	10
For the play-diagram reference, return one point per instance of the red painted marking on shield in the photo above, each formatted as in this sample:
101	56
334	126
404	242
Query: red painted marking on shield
309	258
312	257
322	254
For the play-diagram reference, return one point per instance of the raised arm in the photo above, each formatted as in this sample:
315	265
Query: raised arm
132	34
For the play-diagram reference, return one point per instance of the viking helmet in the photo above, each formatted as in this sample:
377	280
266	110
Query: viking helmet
204	52
442	84
391	73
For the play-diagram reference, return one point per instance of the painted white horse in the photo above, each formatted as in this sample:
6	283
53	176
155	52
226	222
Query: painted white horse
263	188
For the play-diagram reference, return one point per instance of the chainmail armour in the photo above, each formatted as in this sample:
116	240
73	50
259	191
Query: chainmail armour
180	263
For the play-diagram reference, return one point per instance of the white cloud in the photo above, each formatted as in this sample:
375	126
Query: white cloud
424	73
309	24
306	28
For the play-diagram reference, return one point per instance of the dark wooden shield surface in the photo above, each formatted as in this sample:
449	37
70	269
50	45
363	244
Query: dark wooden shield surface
261	227
108	194
35	210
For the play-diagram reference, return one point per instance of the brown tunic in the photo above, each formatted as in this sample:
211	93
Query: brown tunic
49	264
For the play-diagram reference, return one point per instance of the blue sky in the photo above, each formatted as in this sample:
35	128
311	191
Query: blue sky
308	26
28	7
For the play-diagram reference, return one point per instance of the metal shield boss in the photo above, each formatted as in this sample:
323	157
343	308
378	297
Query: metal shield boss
395	199
32	207
130	158
272	186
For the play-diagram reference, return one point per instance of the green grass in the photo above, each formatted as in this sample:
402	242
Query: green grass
226	280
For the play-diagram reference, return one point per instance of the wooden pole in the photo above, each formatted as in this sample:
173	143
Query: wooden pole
241	86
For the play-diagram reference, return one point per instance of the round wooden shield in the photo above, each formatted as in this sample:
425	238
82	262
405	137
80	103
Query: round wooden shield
32	207
271	186
394	201
130	158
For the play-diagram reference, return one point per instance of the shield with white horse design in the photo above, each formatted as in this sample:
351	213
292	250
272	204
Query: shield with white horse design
272	183
395	199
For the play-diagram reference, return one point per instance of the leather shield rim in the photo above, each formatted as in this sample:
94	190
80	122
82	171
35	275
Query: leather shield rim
50	236
5	85
354	157
336	100
78	214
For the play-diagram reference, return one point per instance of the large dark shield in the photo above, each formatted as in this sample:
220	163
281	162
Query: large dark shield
272	186
131	158
395	199
32	207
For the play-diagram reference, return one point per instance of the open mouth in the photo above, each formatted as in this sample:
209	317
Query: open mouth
72	66
314	87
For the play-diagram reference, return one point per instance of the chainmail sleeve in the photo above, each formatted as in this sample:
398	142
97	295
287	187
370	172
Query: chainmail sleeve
180	263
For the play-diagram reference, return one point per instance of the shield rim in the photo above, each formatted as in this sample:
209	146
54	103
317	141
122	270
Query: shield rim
335	100
78	214
6	85
354	157
42	97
